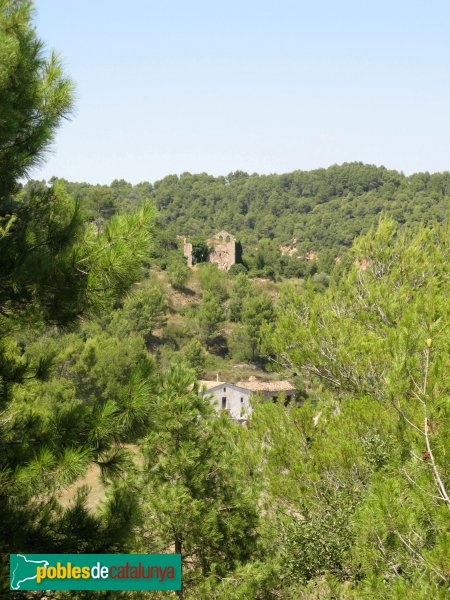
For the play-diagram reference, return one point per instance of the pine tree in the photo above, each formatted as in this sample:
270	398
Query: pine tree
195	500
35	96
377	345
54	270
194	356
211	316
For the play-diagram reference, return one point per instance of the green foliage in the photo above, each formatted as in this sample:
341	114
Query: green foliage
114	257
237	268
257	312
177	271
213	281
255	580
194	356
344	496
266	262
194	498
240	344
101	365
200	250
242	290
251	308
320	211
143	311
66	268
69	399
321	281
377	341
318	542
35	95
210	317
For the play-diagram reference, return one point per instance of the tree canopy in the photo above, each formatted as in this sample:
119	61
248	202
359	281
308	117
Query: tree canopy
320	211
104	332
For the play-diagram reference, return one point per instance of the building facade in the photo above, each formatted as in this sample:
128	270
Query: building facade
235	398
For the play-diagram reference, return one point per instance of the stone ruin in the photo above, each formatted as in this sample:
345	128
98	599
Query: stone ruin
222	250
187	251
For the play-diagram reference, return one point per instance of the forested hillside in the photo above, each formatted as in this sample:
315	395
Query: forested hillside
107	443
321	210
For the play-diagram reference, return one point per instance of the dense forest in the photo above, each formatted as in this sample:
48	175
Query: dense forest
107	444
317	213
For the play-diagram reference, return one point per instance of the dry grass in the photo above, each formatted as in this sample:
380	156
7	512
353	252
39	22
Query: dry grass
96	489
97	492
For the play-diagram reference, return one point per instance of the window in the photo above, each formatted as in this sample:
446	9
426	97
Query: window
224	389
242	400
224	402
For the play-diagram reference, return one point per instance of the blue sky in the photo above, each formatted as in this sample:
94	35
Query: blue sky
167	86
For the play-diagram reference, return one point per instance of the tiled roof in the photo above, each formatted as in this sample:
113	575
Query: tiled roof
209	384
252	385
266	386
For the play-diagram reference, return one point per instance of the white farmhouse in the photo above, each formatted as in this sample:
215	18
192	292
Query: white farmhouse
235	397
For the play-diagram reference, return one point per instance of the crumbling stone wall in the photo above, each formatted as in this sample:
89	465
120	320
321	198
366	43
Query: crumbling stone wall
187	251
223	250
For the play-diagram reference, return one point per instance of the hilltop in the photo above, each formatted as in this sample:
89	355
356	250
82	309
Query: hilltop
314	211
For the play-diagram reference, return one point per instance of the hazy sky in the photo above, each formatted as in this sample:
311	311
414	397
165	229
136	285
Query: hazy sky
167	86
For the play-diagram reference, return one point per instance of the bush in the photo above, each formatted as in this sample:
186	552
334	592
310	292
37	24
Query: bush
321	281
240	344
178	272
237	269
210	317
143	311
194	356
212	280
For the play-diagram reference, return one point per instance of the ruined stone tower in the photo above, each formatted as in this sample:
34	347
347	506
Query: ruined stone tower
222	250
